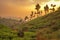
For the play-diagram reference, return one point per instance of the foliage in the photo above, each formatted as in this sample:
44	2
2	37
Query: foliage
48	26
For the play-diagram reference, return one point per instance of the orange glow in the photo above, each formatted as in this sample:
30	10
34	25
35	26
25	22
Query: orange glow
22	9
57	3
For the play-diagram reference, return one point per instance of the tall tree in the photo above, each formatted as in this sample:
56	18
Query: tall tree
46	9
26	17
53	9
37	8
31	15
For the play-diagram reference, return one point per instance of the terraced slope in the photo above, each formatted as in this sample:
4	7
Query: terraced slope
47	27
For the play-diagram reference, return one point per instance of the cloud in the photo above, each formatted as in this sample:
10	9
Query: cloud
16	7
23	2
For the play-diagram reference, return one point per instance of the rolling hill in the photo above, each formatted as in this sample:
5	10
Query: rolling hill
42	28
47	27
10	22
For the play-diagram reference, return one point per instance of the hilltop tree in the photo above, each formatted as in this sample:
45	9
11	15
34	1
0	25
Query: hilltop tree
46	8
26	17
37	8
31	15
53	9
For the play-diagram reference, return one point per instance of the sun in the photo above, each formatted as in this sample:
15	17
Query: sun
57	3
51	2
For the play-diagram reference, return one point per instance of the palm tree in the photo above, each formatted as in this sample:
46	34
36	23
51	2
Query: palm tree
31	15
37	8
53	9
26	17
46	9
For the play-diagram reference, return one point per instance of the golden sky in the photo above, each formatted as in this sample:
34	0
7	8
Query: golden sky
18	8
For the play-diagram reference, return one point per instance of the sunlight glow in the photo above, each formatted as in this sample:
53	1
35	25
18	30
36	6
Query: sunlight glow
57	3
53	2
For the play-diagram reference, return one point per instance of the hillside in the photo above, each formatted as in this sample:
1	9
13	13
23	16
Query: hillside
49	20
42	28
47	27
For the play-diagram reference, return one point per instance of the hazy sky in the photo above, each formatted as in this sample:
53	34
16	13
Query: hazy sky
18	8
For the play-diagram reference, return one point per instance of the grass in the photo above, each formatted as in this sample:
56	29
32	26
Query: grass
46	27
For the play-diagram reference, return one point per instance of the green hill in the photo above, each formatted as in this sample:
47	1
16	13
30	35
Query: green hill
43	28
47	26
49	20
10	22
6	33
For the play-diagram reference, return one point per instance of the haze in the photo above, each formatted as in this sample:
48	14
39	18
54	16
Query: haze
18	8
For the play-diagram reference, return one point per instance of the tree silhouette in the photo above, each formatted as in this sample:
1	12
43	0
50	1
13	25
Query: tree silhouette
26	18
34	14
53	9
46	9
37	8
31	15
